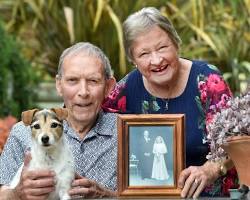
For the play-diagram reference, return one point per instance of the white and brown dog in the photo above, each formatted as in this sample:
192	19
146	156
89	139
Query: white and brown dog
49	149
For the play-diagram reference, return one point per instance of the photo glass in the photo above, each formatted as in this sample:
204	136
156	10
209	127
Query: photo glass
151	155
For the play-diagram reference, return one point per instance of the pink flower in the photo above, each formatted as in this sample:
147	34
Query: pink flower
122	104
209	117
203	96
223	102
201	85
215	84
216	87
113	94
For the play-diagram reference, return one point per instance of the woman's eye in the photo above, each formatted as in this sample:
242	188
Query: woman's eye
36	126
143	54
53	125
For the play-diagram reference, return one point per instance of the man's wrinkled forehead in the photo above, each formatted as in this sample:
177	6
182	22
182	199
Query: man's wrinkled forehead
82	54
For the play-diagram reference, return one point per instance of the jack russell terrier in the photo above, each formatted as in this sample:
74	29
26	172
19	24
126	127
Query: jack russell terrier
49	150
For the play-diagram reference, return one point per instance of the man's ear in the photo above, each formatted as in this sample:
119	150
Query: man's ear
110	84
27	116
58	85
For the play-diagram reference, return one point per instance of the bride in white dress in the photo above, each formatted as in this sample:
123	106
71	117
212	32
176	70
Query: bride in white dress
159	171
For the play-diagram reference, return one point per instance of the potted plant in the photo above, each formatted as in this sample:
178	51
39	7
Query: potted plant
229	135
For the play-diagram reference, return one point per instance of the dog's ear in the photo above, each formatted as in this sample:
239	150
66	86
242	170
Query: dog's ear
62	113
27	116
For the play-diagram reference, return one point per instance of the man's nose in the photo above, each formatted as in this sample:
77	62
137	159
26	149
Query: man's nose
83	89
155	58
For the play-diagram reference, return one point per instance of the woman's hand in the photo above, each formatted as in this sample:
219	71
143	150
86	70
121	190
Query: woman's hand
194	179
84	187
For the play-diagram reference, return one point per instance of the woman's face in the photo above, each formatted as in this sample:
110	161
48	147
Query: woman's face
156	56
158	140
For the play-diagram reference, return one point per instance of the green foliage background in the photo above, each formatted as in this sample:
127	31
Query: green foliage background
17	80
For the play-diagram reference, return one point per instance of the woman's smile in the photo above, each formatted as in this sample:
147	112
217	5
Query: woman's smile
160	69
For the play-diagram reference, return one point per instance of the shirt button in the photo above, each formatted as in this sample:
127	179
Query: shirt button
82	147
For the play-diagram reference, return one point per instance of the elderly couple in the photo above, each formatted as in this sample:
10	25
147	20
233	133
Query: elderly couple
161	78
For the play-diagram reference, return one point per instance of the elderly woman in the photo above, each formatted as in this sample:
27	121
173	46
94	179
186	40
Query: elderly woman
164	82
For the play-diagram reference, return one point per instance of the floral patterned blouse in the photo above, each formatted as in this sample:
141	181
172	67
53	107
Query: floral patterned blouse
206	92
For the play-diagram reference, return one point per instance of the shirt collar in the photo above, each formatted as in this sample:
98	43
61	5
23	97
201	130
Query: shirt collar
101	127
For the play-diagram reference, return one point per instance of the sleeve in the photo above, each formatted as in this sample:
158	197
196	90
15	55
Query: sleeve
164	148
13	153
214	95
116	101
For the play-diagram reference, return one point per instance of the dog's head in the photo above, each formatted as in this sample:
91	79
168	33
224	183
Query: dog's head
46	125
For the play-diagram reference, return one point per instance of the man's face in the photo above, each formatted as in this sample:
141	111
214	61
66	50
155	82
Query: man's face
83	87
146	134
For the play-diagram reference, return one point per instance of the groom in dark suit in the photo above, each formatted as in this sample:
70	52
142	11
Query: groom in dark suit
146	155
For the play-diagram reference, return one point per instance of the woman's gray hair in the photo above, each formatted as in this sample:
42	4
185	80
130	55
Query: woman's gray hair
141	21
89	49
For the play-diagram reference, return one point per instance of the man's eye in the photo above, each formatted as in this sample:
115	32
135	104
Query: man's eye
162	47
71	80
53	125
36	126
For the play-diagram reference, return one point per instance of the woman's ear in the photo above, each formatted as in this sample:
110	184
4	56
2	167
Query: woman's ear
110	84
134	63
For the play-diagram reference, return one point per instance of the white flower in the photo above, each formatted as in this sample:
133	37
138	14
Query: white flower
231	121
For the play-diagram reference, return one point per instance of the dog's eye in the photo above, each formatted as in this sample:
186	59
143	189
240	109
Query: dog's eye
53	125
36	126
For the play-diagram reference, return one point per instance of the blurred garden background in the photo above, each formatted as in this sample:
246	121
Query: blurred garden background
33	33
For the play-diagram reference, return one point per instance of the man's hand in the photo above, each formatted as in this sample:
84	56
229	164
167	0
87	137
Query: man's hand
82	186
34	185
194	179
146	154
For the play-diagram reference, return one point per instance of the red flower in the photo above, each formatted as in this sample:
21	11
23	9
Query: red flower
215	84
203	96
122	104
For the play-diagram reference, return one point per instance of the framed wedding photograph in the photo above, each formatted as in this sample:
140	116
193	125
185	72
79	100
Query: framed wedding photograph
151	154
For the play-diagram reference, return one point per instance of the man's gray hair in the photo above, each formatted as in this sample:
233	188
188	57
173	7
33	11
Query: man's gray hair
141	21
89	49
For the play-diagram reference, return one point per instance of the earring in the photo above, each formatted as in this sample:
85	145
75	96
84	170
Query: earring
136	66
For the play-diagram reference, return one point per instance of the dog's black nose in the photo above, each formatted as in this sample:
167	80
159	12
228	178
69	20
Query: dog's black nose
45	139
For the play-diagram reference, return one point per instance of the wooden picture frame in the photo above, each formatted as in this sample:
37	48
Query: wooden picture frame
145	174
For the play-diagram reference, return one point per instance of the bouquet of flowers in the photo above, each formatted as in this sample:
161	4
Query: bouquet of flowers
232	121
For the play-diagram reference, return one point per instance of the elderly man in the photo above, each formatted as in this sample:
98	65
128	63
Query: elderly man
84	79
